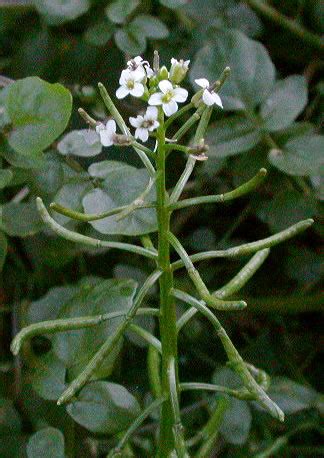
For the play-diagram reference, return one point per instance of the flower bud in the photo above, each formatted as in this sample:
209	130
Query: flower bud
179	69
163	73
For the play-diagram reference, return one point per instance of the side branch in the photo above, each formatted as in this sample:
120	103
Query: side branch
210	300
234	357
248	248
79	238
245	188
110	343
68	324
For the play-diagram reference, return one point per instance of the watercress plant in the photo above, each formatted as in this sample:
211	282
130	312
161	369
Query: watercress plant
159	90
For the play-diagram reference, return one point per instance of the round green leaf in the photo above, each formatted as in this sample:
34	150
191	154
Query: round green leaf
302	156
104	407
39	112
121	184
130	40
231	136
252	71
48	178
57	12
236	423
84	142
99	34
118	10
48	376
286	101
174	3
290	396
47	442
151	26
10	422
21	219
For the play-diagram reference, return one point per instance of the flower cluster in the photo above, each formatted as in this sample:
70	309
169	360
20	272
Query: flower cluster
158	87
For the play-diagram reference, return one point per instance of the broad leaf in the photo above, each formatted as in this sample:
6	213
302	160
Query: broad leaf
231	136
286	101
83	142
47	442
75	348
151	26
70	195
20	219
236	422
300	156
292	397
104	407
48	178
99	34
121	184
118	10
252	72
39	112
130	40
57	12
174	3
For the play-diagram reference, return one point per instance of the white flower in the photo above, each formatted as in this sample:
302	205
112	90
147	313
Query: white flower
141	65
107	132
145	124
130	83
168	97
209	97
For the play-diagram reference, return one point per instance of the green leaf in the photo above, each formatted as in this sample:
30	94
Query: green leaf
3	249
84	142
285	209
47	179
302	156
48	376
232	136
92	296
18	160
236	424
39	112
292	397
20	219
151	26
121	184
118	10
104	407
5	177
96	297
58	12
130	40
99	34
4	118
252	72
174	3
286	101
47	442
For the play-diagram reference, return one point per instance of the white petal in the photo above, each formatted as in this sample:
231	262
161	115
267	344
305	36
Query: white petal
180	94
138	74
138	59
202	82
151	113
154	126
100	127
136	122
155	99
165	86
121	92
173	61
217	99
105	138
170	108
111	127
208	98
142	134
149	71
138	90
187	62
125	74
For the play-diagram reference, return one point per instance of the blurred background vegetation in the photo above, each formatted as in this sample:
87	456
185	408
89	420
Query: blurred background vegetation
272	118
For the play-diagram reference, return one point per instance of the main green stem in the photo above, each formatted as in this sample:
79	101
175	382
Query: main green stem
168	330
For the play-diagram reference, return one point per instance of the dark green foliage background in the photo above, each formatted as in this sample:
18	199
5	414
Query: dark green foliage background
272	102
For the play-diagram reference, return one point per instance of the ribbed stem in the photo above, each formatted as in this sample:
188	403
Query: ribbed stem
168	331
